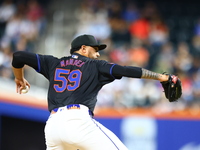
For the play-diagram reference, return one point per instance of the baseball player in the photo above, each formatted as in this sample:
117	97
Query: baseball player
74	82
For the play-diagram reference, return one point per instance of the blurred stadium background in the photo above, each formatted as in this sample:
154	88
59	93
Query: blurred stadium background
162	36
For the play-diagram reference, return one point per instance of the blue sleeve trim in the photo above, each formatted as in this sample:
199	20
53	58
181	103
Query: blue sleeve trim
38	62
111	70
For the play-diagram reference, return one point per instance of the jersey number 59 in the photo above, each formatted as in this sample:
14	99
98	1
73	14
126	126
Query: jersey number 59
68	80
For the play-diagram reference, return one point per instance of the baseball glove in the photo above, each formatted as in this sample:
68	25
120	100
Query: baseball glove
172	88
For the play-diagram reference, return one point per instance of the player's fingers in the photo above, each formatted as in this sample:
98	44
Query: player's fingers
18	88
27	84
21	86
174	79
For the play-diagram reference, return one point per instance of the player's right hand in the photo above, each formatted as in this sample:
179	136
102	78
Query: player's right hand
21	84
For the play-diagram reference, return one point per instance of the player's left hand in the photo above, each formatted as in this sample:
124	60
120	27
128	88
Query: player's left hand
172	88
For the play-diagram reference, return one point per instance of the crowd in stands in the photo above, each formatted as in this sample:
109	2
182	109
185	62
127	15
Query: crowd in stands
21	22
137	34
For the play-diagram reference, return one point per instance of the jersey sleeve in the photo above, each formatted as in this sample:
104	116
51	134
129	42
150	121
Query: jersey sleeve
117	71
41	63
21	58
45	64
106	69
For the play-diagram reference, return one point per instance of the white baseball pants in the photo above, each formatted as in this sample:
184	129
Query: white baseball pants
75	129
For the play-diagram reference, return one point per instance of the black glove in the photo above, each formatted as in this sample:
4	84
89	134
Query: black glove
172	88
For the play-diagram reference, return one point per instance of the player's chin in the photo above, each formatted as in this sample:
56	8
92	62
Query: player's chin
94	57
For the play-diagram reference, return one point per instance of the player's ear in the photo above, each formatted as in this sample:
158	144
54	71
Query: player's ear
83	49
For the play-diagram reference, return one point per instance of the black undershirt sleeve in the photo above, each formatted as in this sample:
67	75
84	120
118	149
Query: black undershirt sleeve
21	58
127	71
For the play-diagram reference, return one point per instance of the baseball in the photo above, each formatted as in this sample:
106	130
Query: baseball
25	90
